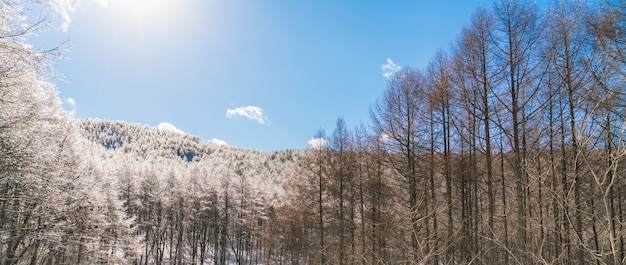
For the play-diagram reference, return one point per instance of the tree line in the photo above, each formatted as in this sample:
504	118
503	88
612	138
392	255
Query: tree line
506	149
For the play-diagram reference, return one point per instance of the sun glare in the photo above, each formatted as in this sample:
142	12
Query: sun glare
148	7
146	13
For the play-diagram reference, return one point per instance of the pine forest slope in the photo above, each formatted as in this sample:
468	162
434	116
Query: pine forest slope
140	144
188	197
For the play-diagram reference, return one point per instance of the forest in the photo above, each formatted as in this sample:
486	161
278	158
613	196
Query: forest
507	148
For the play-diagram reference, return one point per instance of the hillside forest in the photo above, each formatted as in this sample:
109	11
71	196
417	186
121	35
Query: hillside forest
507	148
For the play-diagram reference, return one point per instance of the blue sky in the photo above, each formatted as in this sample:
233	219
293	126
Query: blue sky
261	74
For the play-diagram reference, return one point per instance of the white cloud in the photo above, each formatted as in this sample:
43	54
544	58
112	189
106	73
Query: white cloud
390	68
250	112
71	102
65	8
169	127
317	143
216	141
70	106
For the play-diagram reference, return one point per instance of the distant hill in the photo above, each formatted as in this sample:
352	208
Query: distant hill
145	141
156	148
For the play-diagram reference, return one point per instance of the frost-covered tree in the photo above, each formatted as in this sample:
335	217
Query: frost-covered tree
51	209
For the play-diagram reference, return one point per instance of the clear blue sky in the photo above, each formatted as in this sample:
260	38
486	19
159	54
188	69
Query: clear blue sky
196	63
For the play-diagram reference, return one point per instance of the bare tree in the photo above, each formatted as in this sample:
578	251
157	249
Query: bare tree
516	41
342	172
568	48
397	117
439	78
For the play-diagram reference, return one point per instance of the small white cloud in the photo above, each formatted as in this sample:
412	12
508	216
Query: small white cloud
317	143
71	102
64	8
169	127
70	106
216	141
250	112
390	68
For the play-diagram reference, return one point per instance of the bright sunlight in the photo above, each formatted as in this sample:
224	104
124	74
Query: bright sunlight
147	14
